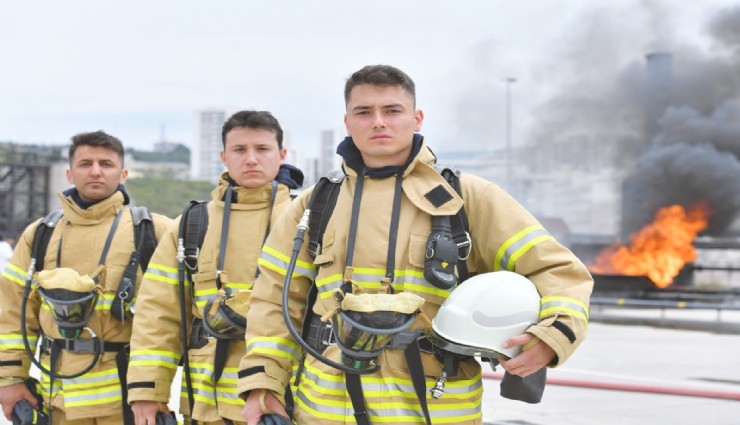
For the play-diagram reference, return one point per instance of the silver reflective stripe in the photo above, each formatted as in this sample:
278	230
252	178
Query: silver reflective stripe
273	346
14	274
204	296
566	305
161	275
382	411
154	358
328	287
15	341
270	260
92	396
512	253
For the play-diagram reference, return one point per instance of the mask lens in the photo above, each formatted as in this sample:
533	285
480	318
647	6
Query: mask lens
225	322
69	308
362	335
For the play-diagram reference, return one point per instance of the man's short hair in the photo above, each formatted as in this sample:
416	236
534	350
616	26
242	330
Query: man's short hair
380	75
258	120
97	139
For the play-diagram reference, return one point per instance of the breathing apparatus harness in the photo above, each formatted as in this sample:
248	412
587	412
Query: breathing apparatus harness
71	327
448	247
225	324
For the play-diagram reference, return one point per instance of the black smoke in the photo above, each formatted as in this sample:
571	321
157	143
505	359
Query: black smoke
675	127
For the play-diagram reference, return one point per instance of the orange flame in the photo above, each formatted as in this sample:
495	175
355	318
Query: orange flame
660	249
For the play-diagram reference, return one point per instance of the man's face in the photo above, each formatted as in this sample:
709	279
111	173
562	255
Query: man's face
382	121
252	156
96	172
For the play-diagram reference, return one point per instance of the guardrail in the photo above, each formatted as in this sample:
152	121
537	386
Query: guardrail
664	304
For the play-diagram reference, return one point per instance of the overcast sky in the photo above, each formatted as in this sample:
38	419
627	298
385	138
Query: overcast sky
134	67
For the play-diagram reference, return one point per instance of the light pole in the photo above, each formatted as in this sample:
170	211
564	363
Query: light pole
509	154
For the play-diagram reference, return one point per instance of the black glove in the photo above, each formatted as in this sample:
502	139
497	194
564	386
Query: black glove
165	418
23	411
274	419
528	390
25	414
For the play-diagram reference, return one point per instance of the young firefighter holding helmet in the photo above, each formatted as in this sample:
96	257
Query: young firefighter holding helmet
365	295
196	289
75	299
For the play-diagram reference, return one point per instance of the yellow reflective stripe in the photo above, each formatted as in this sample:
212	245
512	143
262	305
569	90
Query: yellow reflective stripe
405	280
161	273
203	296
518	245
226	387
278	262
100	395
200	393
274	346
413	280
91	380
327	285
241	286
317	384
163	358
15	274
523	250
382	386
15	341
551	305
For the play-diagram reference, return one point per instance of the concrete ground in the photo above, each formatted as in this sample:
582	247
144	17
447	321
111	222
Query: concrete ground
634	374
636	367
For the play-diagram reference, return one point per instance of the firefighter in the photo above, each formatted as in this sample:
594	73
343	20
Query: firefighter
215	277
94	241
378	241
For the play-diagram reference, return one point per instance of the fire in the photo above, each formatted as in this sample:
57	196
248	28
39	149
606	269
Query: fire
660	249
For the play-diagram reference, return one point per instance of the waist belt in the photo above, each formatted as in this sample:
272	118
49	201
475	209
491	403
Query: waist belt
81	345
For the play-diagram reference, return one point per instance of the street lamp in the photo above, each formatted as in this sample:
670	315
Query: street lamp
509	154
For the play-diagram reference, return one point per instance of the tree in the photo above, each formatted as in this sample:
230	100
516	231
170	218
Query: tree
167	196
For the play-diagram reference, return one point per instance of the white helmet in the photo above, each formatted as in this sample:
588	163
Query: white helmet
484	312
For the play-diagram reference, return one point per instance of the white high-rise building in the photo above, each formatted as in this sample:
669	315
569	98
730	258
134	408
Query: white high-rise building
206	156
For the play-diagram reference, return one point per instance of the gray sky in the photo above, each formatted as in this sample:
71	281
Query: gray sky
130	67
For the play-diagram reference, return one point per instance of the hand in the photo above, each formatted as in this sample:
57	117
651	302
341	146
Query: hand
145	411
260	402
534	356
12	394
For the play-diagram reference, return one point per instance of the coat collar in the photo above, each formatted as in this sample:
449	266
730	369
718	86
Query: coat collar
422	184
246	198
95	213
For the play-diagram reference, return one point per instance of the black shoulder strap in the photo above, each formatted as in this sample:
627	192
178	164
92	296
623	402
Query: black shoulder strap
145	239
42	236
195	218
322	202
458	223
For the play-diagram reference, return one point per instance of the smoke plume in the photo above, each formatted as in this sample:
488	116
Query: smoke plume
676	117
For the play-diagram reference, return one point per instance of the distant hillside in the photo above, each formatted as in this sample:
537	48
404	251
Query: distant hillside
165	195
180	153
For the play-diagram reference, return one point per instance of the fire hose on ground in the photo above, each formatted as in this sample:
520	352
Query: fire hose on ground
631	387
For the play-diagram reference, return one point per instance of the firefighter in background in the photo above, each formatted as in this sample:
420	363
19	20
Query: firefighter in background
94	238
244	207
391	183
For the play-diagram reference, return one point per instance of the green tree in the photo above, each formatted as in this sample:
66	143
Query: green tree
166	195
